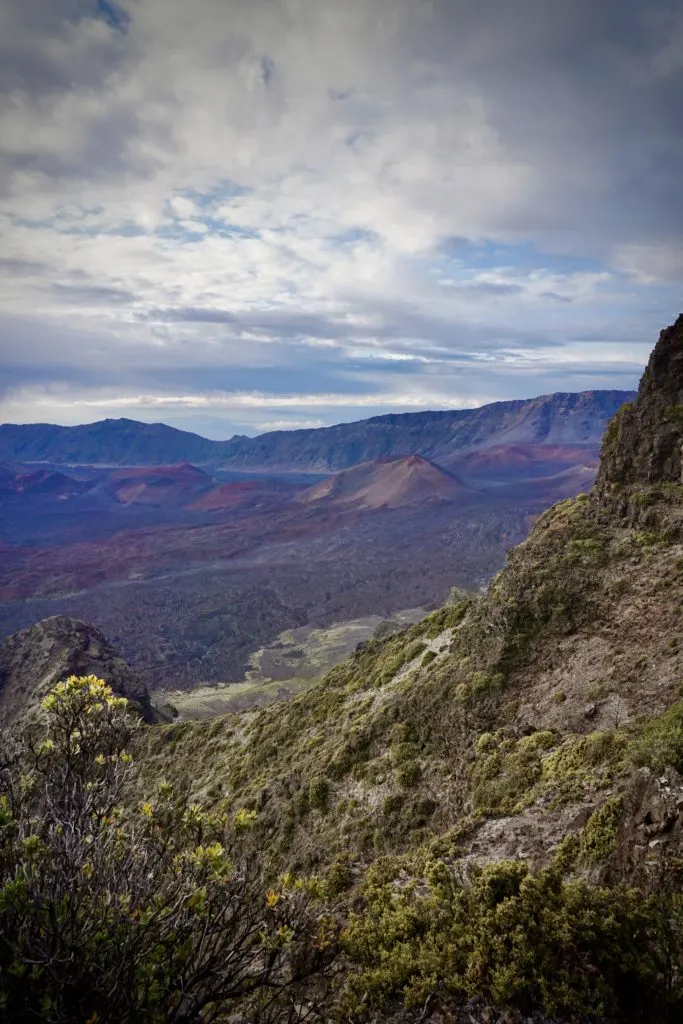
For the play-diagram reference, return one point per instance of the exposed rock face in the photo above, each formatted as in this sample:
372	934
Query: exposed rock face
34	660
644	441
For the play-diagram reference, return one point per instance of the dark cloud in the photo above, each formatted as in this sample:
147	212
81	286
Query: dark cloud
20	267
30	66
592	92
188	316
97	294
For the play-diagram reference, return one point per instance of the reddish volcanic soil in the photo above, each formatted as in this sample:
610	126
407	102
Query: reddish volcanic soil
503	462
192	575
160	486
388	483
225	496
154	551
47	482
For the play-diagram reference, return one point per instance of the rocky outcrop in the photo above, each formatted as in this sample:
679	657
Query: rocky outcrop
35	659
644	442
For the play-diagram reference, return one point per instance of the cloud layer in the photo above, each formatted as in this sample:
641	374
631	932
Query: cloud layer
270	212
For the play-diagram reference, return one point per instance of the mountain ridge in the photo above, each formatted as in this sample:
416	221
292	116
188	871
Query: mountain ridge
560	418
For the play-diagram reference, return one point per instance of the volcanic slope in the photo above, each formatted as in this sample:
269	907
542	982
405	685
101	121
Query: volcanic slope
543	720
164	486
388	483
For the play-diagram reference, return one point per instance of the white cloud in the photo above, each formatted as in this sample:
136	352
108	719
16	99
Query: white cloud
266	161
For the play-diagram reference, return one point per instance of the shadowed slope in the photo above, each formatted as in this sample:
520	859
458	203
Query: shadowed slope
33	661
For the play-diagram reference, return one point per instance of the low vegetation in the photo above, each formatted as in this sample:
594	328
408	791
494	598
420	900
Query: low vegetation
512	938
149	914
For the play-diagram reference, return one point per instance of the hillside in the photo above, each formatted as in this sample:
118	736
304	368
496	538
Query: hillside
559	419
49	483
539	727
509	462
388	483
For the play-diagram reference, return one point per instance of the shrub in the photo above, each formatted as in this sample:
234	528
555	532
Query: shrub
318	793
448	617
339	876
401	752
506	771
427	658
478	686
583	761
533	943
392	804
151	914
408	774
659	744
599	834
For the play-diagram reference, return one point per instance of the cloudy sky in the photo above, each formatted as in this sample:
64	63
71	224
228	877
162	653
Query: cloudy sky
239	215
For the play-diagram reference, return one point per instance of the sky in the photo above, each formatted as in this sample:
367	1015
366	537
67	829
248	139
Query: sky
244	215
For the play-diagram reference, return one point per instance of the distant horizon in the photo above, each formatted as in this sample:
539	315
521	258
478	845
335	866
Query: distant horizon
405	412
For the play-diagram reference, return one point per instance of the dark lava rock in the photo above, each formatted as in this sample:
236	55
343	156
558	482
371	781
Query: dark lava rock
34	660
643	443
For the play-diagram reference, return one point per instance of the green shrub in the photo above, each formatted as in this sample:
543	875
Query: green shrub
402	732
318	793
478	686
506	772
598	840
674	414
401	752
448	617
532	943
659	742
408	774
589	549
392	804
339	876
583	761
152	913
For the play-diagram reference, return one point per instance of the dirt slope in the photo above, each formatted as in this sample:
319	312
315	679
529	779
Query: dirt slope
388	483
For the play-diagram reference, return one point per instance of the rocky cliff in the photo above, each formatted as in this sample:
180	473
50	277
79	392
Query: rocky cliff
34	660
644	443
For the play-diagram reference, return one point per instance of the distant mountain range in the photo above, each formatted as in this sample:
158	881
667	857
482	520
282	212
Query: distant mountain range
560	419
